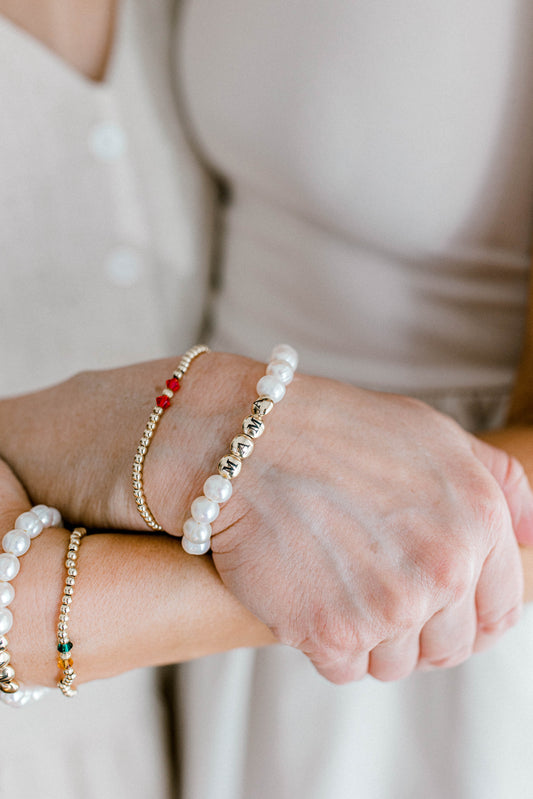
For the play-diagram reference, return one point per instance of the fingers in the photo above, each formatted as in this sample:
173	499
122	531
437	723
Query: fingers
512	479
448	637
344	669
395	659
499	594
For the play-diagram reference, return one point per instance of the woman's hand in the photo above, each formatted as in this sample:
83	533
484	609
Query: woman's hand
366	529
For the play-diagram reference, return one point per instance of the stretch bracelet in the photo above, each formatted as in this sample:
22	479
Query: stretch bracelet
161	404
218	488
64	644
16	543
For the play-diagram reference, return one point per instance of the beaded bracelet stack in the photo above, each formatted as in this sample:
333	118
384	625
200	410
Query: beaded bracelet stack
218	488
162	402
16	543
64	644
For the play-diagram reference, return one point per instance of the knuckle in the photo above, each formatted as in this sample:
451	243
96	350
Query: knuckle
450	568
401	608
331	640
451	659
495	626
492	509
515	474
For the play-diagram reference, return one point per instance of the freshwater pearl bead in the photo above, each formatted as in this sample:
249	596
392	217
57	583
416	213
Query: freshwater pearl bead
9	567
270	386
17	542
197	533
31	523
218	488
281	370
284	352
57	521
25	695
7	594
44	513
204	510
195	549
6	620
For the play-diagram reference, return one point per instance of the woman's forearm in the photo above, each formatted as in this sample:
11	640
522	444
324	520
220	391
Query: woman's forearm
72	445
518	441
139	601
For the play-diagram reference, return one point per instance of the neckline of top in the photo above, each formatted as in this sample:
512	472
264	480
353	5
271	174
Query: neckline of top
49	57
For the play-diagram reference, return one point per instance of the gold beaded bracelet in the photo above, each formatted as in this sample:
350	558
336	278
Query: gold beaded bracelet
162	402
64	644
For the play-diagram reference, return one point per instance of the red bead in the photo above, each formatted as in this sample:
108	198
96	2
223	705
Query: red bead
163	401
173	384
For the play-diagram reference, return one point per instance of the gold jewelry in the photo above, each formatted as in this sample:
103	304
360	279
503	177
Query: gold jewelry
162	402
64	644
218	489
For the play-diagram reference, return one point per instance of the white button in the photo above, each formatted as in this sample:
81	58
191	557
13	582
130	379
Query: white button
107	141
124	266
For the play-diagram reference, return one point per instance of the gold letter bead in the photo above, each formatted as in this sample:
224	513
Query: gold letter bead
242	446
229	466
253	426
262	406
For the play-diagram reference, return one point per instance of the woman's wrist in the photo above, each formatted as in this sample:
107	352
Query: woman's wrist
72	445
140	601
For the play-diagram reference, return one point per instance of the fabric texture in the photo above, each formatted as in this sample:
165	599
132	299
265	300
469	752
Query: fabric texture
105	254
378	169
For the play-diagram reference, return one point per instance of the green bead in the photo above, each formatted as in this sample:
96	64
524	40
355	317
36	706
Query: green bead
64	647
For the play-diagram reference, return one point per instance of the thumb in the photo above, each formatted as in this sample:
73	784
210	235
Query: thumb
512	479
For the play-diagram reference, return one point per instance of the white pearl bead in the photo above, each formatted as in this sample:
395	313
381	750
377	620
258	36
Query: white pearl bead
7	594
197	533
9	568
284	352
195	549
6	620
218	488
57	521
204	510
270	386
25	695
44	513
17	542
31	523
281	370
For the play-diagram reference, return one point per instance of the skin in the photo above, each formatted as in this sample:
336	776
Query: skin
407	523
139	601
326	540
80	33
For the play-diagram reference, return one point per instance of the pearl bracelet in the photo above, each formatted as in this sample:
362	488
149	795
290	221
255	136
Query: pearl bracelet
16	543
64	644
162	402
218	488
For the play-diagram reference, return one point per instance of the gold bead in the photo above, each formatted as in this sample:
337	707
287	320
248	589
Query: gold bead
262	406
4	659
7	673
9	687
242	446
229	466
253	426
